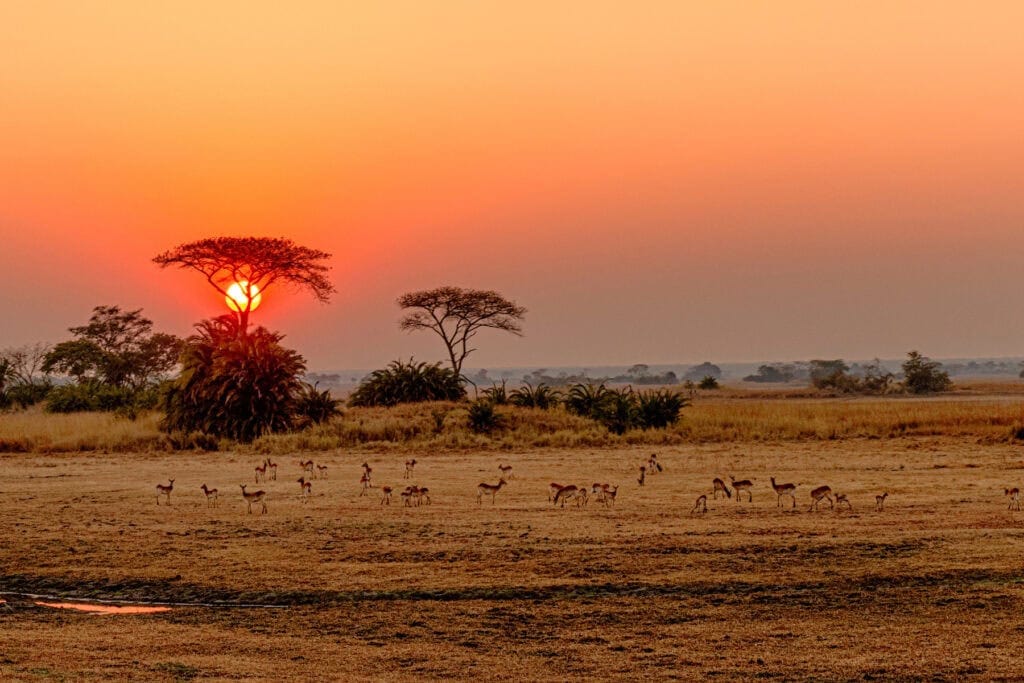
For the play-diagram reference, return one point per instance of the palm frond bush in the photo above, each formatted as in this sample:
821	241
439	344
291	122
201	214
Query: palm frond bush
235	385
410	382
497	393
313	406
586	400
542	396
483	418
659	409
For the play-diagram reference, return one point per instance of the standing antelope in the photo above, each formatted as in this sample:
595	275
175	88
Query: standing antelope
553	490
307	488
653	466
364	481
493	490
307	466
506	471
565	493
261	472
720	486
255	497
783	490
423	493
211	495
409	465
601	491
701	505
385	495
643	475
321	471
272	466
880	500
1013	494
819	493
609	494
367	472
741	486
840	499
162	490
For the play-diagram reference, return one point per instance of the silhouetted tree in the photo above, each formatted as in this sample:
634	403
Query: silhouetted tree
457	315
921	375
258	262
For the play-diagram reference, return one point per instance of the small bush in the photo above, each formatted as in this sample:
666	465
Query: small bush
659	409
87	396
527	396
586	400
921	375
483	418
708	382
410	382
25	395
497	394
313	406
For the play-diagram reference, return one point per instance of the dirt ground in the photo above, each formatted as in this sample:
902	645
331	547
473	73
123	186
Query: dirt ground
346	588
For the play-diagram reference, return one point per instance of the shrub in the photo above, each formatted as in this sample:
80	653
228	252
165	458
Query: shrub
659	409
708	382
921	375
234	385
586	400
619	411
483	418
87	396
497	394
313	406
543	396
410	382
25	395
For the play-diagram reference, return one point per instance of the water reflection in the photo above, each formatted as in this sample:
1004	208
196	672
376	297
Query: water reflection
103	609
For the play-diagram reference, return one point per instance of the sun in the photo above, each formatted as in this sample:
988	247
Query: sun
236	298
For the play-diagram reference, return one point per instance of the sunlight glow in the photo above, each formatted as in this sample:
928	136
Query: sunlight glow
236	298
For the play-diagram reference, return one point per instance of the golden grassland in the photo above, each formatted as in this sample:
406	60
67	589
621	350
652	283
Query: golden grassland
987	412
930	587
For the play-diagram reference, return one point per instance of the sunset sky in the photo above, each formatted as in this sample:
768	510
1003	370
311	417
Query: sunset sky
659	182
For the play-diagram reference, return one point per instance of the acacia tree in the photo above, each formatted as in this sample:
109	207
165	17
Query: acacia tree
256	264
457	315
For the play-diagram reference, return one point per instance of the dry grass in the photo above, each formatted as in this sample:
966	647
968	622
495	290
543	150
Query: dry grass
520	589
38	432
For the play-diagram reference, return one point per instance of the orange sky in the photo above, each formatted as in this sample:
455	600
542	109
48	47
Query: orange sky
655	182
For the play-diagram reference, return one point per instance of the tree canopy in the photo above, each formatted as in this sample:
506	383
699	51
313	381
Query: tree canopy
256	264
457	315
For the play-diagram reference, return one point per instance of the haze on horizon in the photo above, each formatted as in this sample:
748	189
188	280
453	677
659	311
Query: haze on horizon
664	183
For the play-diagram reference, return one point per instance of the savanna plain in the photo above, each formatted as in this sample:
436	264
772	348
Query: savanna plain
343	587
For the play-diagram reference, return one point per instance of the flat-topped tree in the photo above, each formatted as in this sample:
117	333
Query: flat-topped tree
242	269
457	315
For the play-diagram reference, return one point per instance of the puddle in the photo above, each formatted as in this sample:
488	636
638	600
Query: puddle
103	609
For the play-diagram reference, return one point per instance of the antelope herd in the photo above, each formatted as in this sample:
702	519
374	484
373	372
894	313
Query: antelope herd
559	495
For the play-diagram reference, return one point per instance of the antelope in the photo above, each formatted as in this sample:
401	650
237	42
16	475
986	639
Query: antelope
494	488
367	472
307	488
840	499
408	494
600	490
385	495
1013	494
162	490
506	471
364	481
307	465
423	493
272	466
321	471
783	490
255	497
720	486
211	495
409	465
566	493
553	490
608	496
261	472
741	486
653	465
819	493
582	497
701	505
643	475
880	501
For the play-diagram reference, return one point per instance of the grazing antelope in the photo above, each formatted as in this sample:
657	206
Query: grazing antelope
307	488
409	465
494	488
423	493
653	466
255	497
364	482
609	494
162	490
1013	494
506	471
261	472
741	486
880	500
840	499
321	471
720	486
819	493
211	495
307	466
553	490
582	497
385	495
600	490
643	475
272	466
701	505
783	490
566	493
409	494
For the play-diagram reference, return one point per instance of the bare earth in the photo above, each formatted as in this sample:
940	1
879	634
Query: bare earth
932	586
